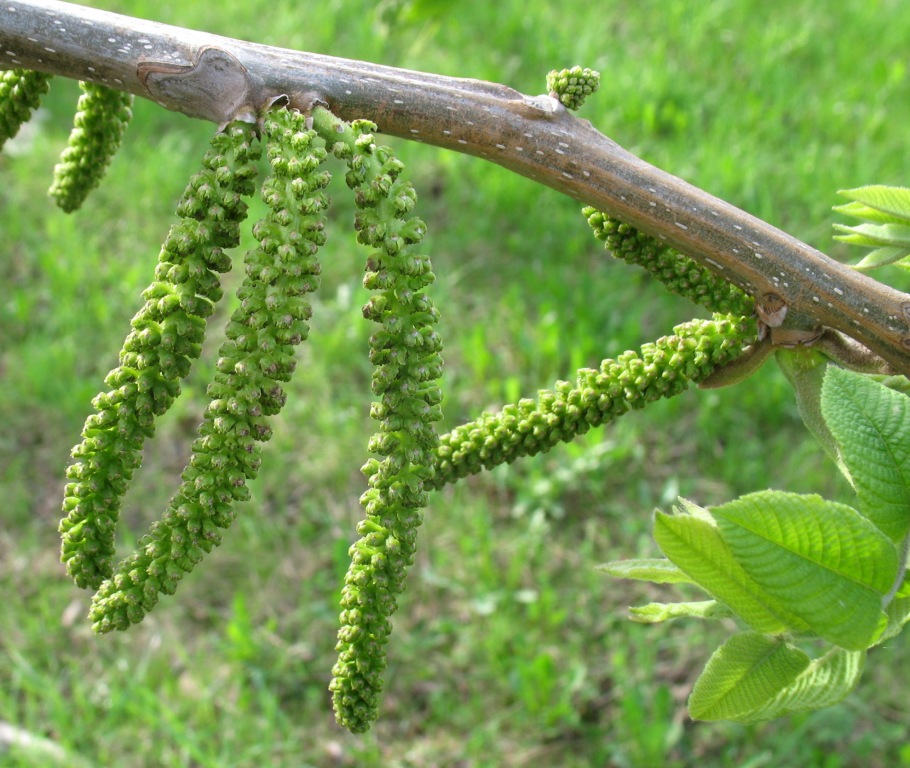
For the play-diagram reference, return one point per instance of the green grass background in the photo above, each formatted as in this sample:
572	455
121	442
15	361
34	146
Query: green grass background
509	648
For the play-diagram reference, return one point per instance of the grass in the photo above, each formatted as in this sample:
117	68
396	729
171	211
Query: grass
509	649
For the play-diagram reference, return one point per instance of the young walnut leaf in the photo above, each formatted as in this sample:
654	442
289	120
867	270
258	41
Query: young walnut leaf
875	234
897	610
655	569
819	560
870	423
743	675
652	613
804	367
858	210
692	541
886	211
750	679
662	571
824	683
888	201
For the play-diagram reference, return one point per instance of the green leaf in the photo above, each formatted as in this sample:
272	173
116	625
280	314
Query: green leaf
824	682
898	613
854	236
691	540
656	569
881	257
875	234
820	560
896	382
861	211
805	368
744	675
871	424
652	613
890	200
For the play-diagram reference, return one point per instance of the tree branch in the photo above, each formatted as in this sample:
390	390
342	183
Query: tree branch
219	79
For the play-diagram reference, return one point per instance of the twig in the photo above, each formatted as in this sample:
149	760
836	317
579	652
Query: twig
218	79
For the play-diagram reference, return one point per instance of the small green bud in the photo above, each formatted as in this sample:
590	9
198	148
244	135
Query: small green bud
572	86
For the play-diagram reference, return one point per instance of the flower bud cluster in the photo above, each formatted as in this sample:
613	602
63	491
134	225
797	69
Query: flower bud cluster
20	93
660	369
679	273
166	336
573	86
101	118
259	353
405	351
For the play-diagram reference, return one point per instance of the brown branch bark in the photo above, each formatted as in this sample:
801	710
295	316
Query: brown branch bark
220	79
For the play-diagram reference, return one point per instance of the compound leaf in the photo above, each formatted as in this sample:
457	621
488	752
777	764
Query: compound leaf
881	257
824	683
805	368
735	681
859	210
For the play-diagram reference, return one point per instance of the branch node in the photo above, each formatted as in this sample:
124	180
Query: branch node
215	87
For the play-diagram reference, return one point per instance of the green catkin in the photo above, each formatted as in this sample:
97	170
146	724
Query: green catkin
166	336
660	369
20	94
101	118
259	353
406	355
678	273
572	86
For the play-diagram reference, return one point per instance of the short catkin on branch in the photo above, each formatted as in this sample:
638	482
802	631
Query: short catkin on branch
20	94
100	121
573	85
678	273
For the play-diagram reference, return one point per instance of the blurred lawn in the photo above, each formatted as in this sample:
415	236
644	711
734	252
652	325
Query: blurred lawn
509	649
